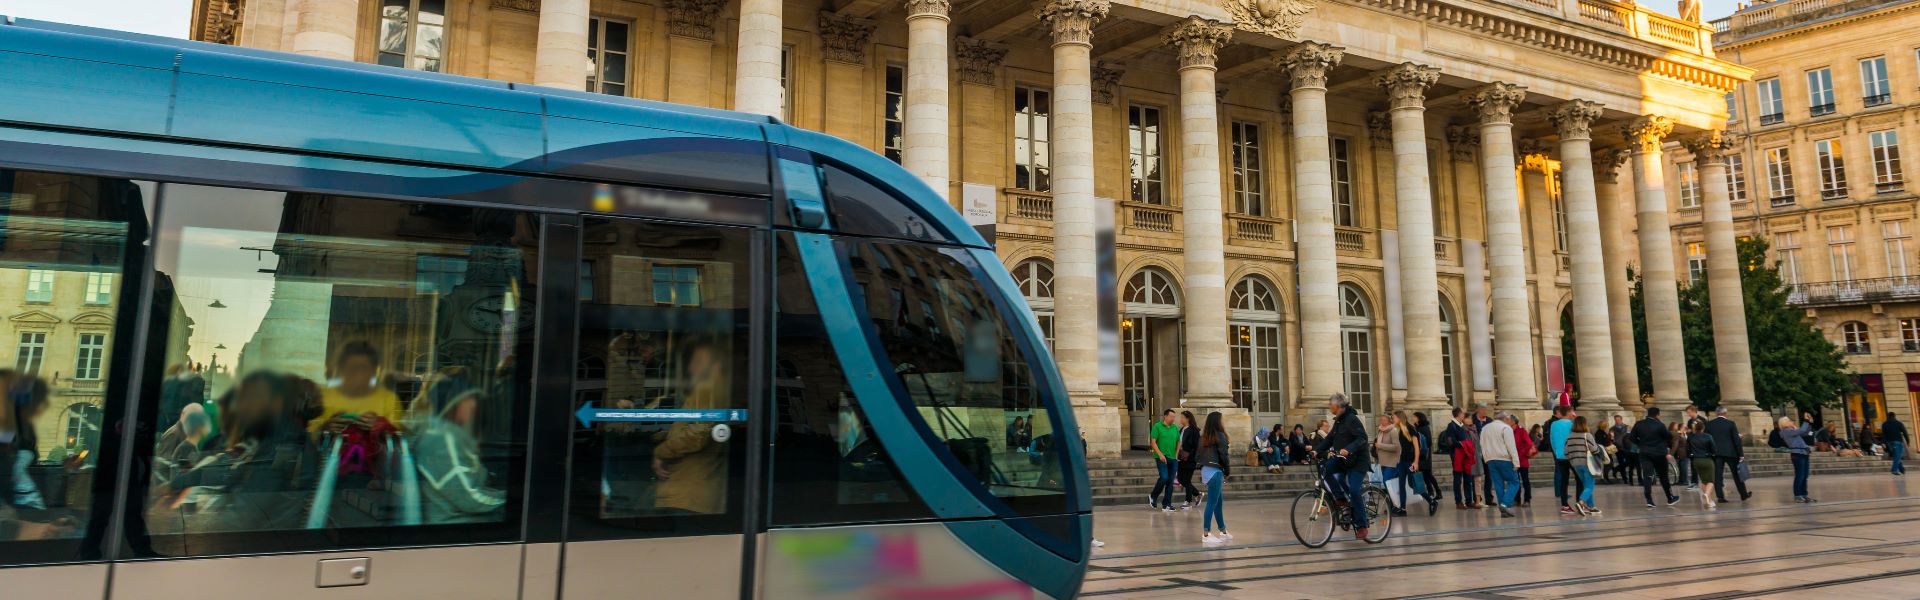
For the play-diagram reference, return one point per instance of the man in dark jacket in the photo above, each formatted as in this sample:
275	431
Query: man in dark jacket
1727	453
1653	441
1346	450
1896	434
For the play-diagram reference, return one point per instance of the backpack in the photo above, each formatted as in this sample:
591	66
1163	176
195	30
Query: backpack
1447	441
1775	441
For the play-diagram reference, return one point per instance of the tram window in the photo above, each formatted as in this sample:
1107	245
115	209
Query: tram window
953	353
828	466
62	240
860	207
671	317
339	372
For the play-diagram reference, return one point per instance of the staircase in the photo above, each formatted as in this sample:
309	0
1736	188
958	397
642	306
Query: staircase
1128	480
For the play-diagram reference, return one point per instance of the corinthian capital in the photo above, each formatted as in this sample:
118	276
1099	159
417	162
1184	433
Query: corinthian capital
844	39
1407	84
1106	76
1073	20
978	60
1606	164
1646	133
1532	155
1463	141
1380	127
928	8
1710	146
1495	101
1309	63
1199	41
692	18
1574	119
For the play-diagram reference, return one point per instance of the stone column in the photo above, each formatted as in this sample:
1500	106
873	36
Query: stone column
325	28
690	69
560	53
1198	42
1613	229
1406	87
1076	320
924	143
1732	359
1506	254
1659	294
756	83
1592	338
1308	64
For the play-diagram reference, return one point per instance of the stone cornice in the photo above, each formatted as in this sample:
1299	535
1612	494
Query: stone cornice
1813	26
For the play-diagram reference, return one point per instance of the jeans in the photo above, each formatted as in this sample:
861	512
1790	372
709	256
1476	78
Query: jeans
1463	487
1899	451
1214	512
1801	466
1351	486
1505	482
1562	472
1686	475
1586	484
1163	485
1394	476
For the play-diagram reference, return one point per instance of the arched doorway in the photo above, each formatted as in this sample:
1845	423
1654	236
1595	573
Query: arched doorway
1356	348
1035	278
1253	340
1449	352
1152	343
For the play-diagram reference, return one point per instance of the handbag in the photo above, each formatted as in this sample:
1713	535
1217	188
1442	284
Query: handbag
1253	458
1740	470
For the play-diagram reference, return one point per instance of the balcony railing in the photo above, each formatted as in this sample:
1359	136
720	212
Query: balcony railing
1854	291
1152	217
1877	99
1888	187
1027	205
1259	229
1350	240
1629	19
1781	201
1820	109
1773	119
1444	252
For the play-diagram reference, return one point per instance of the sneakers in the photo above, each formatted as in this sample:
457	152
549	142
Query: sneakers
1360	534
1672	500
1432	507
1210	540
1098	543
1649	505
1505	513
1167	509
1186	506
1226	536
1566	510
1692	487
1152	502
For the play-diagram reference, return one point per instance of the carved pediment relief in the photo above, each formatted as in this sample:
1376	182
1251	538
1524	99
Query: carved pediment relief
34	318
93	318
1278	18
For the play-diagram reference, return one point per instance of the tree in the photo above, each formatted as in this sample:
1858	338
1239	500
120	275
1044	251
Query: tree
1793	363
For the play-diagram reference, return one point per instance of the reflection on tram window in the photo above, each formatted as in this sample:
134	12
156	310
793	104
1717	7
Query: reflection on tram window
828	466
63	242
952	353
335	365
666	333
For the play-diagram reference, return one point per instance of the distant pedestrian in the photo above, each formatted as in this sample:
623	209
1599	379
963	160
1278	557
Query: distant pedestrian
1501	454
1728	454
1798	439
1525	446
1459	440
1700	451
1423	428
1297	445
1896	434
1558	429
1386	448
1214	466
1481	416
1189	447
1582	457
1651	440
1166	448
1681	454
1629	456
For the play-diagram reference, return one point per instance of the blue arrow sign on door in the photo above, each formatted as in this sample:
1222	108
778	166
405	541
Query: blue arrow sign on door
588	414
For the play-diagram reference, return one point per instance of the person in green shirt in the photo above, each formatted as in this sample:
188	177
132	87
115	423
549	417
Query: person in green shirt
1166	444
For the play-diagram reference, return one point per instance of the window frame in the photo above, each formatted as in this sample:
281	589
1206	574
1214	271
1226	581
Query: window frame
596	54
1346	211
893	111
1779	164
1036	121
1689	173
413	25
1772	104
1144	185
1820	93
1910	334
1831	162
1248	170
1736	178
1856	338
1840	253
1875	88
1884	149
1696	262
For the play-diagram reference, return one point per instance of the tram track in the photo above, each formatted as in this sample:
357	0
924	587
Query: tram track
1688	534
1573	581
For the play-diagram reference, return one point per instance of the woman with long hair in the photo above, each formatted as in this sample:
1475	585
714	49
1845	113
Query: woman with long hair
1189	448
1423	428
1700	452
1392	460
1412	453
1214	465
1580	449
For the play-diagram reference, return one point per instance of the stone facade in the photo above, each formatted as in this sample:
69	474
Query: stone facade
1333	156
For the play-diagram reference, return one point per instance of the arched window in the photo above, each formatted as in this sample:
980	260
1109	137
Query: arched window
1035	278
1356	346
1448	369
1152	287
1854	338
1253	345
1151	303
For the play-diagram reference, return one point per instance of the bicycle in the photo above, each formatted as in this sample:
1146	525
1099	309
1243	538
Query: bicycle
1316	514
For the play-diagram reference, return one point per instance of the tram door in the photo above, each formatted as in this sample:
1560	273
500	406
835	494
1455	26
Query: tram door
667	362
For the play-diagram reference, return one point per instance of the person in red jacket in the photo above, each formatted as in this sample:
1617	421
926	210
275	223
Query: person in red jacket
1463	460
1524	443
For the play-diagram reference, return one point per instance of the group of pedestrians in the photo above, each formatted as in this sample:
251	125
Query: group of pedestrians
1183	449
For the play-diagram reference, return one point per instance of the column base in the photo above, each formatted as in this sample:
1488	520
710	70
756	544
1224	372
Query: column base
1513	403
1237	421
1101	425
1436	407
1754	423
1604	407
1669	407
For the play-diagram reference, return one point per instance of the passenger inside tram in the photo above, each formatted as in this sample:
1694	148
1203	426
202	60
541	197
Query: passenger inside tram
355	397
453	479
263	473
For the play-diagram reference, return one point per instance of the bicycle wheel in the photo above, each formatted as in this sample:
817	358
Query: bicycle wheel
1379	514
1313	519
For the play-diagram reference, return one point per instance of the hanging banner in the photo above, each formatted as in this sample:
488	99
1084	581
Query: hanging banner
980	204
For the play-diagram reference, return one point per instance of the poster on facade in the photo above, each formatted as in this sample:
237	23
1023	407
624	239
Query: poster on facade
979	203
1107	286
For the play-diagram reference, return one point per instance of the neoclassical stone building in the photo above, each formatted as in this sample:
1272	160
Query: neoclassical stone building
1817	171
1397	199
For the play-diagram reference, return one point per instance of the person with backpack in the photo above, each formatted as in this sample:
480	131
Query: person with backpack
1728	453
1799	448
1559	428
1652	442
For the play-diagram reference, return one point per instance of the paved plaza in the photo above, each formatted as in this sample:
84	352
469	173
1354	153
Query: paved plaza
1857	542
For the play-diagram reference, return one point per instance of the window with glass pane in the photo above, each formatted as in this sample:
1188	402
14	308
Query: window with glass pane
1696	262
1144	132
1559	209
1874	89
412	33
358	362
1356	347
99	288
1897	239
1887	176
828	465
1833	169
1032	112
610	50
1771	102
1820	91
1736	179
1249	182
1448	369
1786	247
786	82
1910	335
1689	185
1855	338
1733	104
947	343
56	232
1254	347
1344	213
1840	252
1779	176
893	102
1034	276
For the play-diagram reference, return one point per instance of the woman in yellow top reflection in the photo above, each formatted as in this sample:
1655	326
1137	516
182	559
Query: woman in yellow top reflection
357	399
691	465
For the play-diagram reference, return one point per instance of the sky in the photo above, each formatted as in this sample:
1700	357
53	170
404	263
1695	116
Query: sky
170	17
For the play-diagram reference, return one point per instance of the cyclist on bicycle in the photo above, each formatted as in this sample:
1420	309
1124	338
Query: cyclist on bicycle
1346	465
